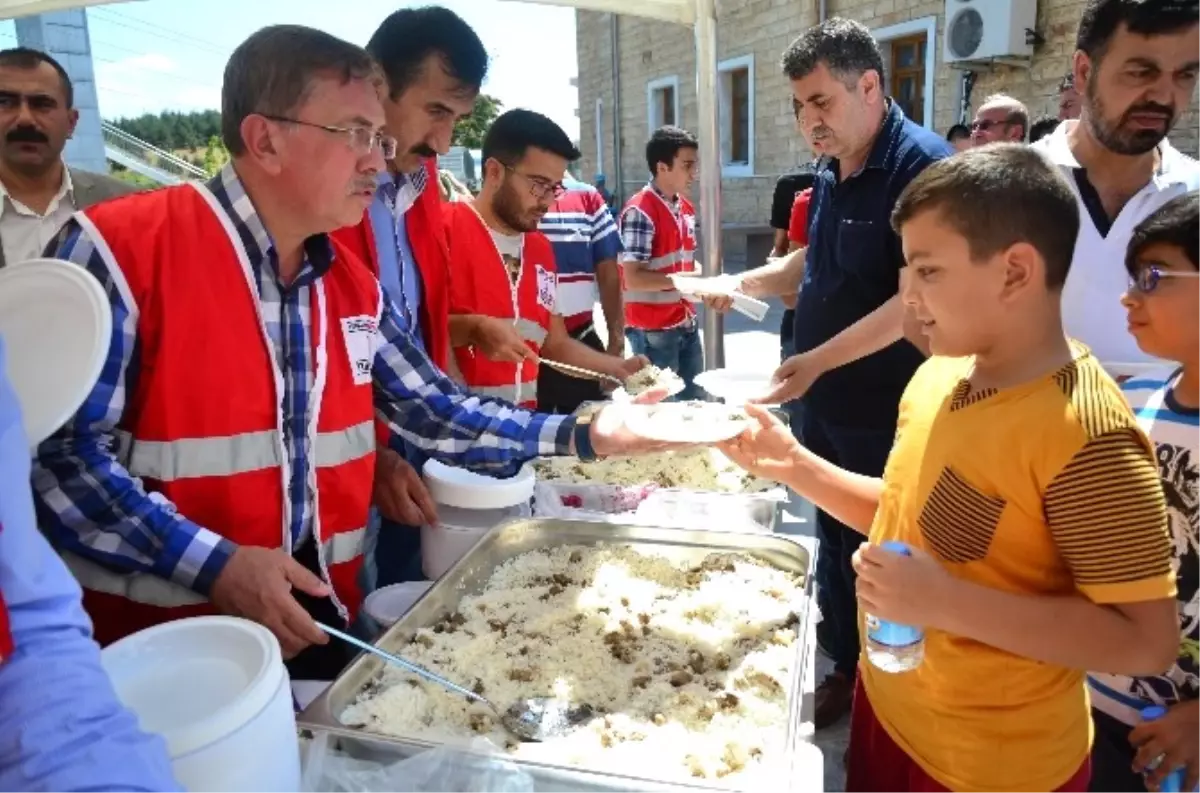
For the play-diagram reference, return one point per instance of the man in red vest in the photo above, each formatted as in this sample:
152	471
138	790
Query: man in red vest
434	64
223	461
658	230
505	279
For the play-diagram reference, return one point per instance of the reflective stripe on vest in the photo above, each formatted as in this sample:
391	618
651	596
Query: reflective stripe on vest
168	461
509	392
669	260
531	331
151	590
666	296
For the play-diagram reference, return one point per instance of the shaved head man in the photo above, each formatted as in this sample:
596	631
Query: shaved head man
1000	118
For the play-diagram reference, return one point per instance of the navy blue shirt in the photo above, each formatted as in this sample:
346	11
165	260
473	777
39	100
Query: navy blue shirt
853	267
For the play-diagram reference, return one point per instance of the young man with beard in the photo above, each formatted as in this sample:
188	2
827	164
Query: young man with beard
504	267
434	64
38	192
1135	69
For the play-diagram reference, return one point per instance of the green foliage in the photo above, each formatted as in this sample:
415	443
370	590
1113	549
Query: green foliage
215	155
171	130
469	131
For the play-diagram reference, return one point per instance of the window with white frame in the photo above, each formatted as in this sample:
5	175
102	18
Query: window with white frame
662	102
735	86
909	60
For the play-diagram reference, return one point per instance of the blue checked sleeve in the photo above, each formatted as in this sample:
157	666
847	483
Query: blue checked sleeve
87	502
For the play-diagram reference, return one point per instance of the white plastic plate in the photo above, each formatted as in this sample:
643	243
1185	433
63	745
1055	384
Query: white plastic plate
686	422
56	323
735	387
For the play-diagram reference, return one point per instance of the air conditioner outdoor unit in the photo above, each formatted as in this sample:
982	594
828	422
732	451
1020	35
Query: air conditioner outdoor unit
978	30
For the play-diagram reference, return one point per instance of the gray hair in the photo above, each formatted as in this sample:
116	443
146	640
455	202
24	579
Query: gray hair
845	47
272	74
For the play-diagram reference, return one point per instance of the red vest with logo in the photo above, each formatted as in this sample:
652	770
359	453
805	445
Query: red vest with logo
202	426
672	250
427	237
486	288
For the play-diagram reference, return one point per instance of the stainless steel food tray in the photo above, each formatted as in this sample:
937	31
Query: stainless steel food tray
513	538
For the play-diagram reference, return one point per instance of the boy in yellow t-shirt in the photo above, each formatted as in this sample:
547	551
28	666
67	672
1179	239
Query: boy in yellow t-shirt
1022	484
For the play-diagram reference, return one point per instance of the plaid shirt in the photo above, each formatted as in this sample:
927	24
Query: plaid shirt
637	230
88	503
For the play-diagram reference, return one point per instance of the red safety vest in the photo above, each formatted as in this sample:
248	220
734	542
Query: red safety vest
672	250
202	426
486	289
427	237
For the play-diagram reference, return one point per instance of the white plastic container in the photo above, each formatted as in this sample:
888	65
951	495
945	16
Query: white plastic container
217	691
457	531
388	604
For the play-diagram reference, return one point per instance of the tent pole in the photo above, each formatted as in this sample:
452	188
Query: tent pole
710	171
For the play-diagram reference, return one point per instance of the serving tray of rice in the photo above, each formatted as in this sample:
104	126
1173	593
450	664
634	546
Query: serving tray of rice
689	646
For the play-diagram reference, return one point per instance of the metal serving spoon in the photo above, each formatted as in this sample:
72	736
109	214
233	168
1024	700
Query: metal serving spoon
536	719
579	370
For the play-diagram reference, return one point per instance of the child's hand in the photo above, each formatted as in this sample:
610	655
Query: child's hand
1174	740
767	449
912	590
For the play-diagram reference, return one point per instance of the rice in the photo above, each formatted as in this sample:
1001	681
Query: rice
704	469
650	376
687	665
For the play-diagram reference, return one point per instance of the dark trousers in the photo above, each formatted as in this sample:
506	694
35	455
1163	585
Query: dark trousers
1112	757
397	554
863	451
561	393
319	661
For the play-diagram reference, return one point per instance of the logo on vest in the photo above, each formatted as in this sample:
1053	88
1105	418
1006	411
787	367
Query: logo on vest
689	222
361	335
547	286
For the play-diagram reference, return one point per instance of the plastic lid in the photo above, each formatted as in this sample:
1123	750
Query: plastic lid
458	487
458	518
56	323
895	546
1153	713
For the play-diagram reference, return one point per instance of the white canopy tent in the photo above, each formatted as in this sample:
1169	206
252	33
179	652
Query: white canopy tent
702	16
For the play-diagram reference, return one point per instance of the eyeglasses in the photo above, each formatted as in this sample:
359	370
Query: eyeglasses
986	124
1147	278
361	139
539	188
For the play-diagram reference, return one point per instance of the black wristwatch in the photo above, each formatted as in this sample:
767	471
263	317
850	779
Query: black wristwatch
583	440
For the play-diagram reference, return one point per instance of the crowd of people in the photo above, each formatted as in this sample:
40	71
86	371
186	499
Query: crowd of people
958	309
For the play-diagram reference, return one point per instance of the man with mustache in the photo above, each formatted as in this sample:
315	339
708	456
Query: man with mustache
434	64
853	361
1135	68
224	460
38	192
504	268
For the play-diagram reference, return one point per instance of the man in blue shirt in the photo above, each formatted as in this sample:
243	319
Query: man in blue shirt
853	359
61	726
435	64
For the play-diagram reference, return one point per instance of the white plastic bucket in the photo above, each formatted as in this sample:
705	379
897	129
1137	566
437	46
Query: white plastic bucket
388	604
217	691
456	532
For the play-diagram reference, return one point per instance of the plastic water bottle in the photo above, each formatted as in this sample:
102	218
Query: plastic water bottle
1173	782
893	647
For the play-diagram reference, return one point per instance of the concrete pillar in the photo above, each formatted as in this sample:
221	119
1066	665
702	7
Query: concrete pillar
64	36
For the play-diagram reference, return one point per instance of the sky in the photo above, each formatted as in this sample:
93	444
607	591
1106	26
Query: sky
155	55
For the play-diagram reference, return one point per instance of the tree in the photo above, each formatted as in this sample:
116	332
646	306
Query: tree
469	131
215	156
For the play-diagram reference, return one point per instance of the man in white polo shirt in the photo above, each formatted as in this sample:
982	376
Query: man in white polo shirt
1135	69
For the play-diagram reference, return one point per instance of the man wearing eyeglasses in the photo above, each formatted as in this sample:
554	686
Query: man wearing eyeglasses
224	460
1000	119
504	283
1135	68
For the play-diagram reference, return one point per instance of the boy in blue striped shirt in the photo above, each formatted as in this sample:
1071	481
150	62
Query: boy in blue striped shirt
1163	304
